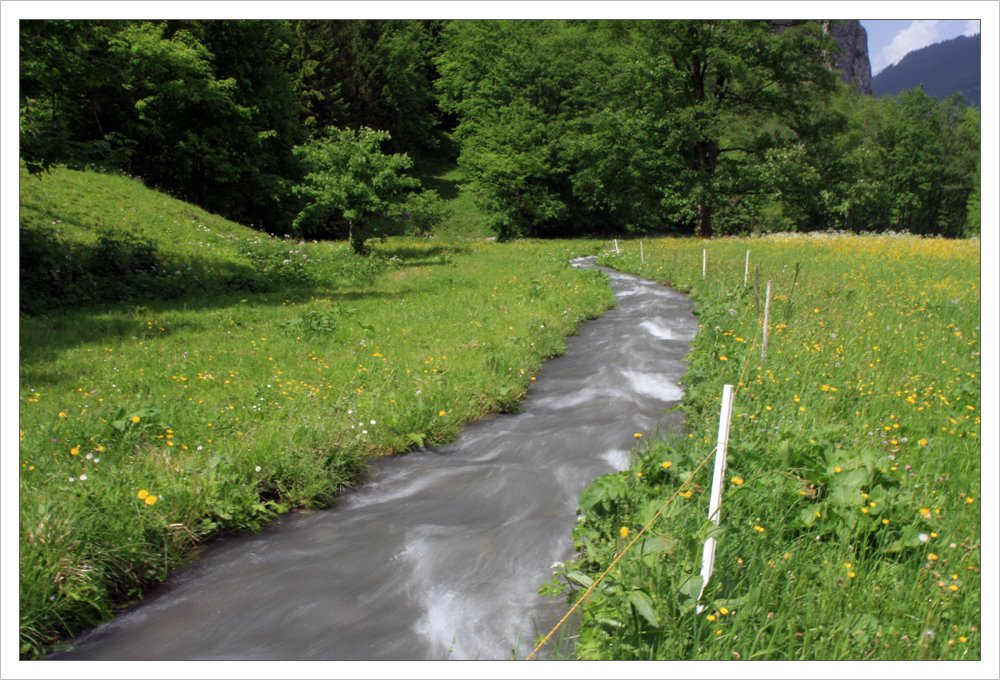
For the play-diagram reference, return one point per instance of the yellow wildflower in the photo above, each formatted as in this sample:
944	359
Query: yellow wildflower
623	532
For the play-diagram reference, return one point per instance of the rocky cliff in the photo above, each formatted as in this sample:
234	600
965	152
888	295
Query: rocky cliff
852	57
852	38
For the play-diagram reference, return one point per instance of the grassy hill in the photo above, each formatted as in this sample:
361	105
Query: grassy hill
182	375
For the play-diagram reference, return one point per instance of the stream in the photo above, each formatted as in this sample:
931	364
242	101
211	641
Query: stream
440	553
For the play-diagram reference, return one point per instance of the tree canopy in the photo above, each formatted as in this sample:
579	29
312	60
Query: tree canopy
562	128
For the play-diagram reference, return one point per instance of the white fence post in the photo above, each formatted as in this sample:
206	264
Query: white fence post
715	502
746	269
616	247
642	258
767	316
704	261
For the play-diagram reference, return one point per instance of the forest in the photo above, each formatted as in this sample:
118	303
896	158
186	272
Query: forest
563	128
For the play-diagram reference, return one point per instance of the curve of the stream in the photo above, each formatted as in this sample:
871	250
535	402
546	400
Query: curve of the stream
440	554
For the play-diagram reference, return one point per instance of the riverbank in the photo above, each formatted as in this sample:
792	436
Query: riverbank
851	518
150	424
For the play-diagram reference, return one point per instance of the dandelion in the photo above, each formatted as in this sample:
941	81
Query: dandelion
623	532
62	414
837	469
75	451
925	512
723	358
922	441
637	435
851	575
666	465
970	500
143	494
442	413
686	493
758	528
710	618
151	500
932	557
135	419
737	481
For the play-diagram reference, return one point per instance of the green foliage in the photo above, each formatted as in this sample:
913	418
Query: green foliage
374	74
204	110
424	211
562	127
624	125
349	179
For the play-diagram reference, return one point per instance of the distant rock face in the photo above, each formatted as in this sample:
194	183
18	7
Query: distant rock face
853	62
852	58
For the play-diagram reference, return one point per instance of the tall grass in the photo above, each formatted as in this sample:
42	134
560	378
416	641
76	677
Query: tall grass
174	414
851	518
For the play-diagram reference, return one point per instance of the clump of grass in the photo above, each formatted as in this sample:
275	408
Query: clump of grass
148	425
850	522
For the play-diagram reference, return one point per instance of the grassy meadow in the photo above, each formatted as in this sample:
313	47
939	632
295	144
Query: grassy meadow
850	522
182	376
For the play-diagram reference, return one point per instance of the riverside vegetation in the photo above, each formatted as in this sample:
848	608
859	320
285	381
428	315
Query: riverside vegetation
850	522
227	376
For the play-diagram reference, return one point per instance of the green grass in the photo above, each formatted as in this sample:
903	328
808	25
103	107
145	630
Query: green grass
239	377
850	525
465	221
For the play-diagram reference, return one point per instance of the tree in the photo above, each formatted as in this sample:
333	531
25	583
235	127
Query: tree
705	77
424	211
349	178
375	74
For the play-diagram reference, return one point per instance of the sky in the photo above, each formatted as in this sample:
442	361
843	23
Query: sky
889	40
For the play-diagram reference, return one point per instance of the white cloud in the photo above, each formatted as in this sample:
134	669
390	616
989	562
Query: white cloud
971	28
918	34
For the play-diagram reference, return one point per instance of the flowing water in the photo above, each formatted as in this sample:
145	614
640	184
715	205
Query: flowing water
440	554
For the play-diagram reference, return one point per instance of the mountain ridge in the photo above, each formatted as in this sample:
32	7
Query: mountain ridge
942	69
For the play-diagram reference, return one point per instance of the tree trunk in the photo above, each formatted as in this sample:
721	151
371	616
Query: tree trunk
704	220
706	156
357	239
